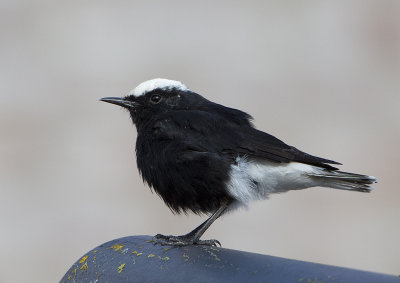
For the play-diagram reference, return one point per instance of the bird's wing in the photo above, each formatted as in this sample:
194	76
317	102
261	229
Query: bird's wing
258	144
202	132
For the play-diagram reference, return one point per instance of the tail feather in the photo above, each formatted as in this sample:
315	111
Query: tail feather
344	180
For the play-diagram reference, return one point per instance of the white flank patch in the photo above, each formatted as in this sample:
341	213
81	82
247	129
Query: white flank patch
150	85
251	181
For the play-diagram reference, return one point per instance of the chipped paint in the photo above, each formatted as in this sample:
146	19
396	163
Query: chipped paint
121	267
117	247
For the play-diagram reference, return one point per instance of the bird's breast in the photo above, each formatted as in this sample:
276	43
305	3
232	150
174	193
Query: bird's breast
185	179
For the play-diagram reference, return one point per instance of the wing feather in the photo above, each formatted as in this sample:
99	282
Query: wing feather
201	131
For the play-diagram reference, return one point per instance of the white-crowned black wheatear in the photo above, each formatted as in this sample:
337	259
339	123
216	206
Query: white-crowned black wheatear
207	158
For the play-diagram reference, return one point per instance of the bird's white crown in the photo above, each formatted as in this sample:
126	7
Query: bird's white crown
153	84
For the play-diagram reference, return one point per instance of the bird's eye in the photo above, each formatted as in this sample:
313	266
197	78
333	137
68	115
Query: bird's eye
155	98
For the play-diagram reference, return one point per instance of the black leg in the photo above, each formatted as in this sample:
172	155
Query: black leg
192	238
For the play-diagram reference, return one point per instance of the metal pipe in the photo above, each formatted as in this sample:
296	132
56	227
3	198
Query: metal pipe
137	259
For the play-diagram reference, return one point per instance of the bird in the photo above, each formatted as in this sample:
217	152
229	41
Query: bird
203	157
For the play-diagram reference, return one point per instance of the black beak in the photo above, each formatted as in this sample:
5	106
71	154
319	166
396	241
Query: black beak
119	101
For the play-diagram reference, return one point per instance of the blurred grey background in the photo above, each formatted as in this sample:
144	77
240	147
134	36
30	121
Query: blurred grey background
321	75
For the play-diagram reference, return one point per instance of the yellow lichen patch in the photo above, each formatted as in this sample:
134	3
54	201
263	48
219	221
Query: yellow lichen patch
121	267
95	251
83	259
149	241
136	253
166	249
139	254
186	257
84	266
217	258
164	258
150	255
117	247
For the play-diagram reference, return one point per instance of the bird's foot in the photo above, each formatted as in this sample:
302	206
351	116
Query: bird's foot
180	241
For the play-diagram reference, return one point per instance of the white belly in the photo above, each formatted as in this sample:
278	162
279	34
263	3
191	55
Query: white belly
250	180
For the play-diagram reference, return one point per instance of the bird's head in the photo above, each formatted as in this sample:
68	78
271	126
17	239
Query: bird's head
157	96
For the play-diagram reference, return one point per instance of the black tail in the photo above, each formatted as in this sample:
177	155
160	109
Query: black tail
344	180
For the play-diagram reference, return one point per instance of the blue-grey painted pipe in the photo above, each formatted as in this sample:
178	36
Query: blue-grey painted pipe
136	259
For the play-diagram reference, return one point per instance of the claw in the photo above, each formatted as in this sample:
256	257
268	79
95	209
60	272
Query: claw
212	242
180	241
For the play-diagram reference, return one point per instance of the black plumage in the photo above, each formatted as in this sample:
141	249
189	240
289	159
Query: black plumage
186	147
